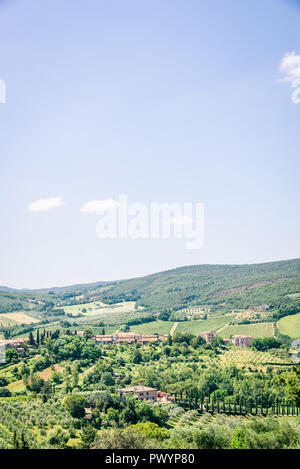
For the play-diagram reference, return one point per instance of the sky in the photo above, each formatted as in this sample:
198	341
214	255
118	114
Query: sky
186	101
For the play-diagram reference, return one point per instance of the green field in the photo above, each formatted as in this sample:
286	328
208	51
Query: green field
263	329
155	327
248	356
197	326
97	307
290	325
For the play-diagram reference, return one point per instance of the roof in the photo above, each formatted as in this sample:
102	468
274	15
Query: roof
21	340
240	336
137	389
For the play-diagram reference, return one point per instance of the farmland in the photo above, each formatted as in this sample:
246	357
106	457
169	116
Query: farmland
250	357
197	326
155	327
18	317
290	325
264	329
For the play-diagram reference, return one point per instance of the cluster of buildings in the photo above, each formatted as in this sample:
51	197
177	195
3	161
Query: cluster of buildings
120	338
16	344
237	340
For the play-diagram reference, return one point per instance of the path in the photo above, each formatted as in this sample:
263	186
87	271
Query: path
174	328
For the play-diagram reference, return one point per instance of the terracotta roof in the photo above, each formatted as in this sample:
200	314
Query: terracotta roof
240	336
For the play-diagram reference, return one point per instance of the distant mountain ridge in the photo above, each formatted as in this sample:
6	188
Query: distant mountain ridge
217	286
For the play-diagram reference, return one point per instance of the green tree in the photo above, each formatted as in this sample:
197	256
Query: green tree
75	403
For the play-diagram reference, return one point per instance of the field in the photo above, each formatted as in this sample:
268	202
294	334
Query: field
198	326
18	317
155	327
4	321
248	356
290	325
90	309
263	329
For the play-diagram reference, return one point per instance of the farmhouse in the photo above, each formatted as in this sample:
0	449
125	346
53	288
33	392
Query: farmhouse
127	338
163	397
208	336
142	393
16	344
241	340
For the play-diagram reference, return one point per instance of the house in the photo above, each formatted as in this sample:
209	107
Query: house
142	393
163	397
146	339
126	338
208	336
241	340
14	343
104	339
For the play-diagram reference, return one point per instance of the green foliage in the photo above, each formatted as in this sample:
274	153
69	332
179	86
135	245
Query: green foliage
266	343
75	403
223	286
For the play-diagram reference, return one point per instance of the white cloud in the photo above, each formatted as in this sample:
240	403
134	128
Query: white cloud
181	220
290	66
45	204
99	206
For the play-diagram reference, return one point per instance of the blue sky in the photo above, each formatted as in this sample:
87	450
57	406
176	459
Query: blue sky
164	101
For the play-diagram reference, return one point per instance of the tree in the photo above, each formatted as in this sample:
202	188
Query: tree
75	403
88	434
4	392
31	339
292	381
88	334
11	355
121	439
137	357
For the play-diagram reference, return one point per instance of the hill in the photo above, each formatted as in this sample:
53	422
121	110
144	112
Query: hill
220	286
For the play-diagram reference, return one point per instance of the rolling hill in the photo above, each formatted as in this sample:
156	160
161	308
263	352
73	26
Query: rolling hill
220	287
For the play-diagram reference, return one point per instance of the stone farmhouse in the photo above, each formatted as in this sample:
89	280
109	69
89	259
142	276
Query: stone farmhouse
128	338
241	340
16	344
144	393
208	336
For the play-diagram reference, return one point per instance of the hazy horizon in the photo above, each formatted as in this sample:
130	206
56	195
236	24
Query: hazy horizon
49	287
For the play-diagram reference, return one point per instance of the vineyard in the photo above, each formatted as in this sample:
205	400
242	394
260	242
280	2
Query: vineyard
247	356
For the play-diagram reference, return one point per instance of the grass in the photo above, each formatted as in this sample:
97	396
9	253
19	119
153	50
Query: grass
197	326
263	329
19	317
290	325
4	321
18	386
155	327
96	307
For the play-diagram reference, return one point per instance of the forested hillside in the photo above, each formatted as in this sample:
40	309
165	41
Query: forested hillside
231	286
